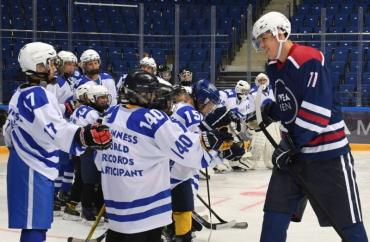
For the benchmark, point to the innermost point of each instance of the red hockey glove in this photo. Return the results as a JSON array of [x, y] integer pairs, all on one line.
[[96, 136]]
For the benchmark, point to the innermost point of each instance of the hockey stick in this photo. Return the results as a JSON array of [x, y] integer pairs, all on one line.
[[98, 239], [92, 230], [237, 225], [212, 226], [293, 171], [209, 200], [204, 174]]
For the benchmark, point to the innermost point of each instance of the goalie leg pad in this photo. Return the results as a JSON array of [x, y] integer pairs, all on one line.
[[275, 226], [183, 222]]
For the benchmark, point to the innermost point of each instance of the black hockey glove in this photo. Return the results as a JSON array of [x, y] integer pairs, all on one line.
[[265, 113], [220, 117], [235, 152], [214, 139], [283, 153], [95, 136]]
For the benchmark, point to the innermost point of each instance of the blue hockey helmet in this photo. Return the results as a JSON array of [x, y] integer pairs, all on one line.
[[204, 91]]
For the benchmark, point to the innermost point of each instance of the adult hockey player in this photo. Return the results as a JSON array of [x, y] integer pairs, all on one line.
[[90, 63], [34, 132], [313, 140], [138, 205], [261, 148]]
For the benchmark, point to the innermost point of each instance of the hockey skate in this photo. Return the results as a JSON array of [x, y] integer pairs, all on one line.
[[88, 216], [70, 212], [63, 197], [222, 168], [57, 211], [237, 166], [247, 161]]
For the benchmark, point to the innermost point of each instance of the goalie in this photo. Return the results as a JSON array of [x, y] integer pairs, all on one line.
[[261, 148]]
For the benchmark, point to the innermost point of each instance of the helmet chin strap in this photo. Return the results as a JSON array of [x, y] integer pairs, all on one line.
[[280, 48], [281, 43]]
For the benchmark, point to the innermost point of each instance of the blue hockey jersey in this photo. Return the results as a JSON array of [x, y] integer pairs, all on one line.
[[306, 105]]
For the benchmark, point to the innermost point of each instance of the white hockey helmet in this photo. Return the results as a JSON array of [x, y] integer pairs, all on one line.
[[67, 56], [81, 92], [148, 61], [242, 89], [35, 53], [274, 23], [260, 77], [89, 55], [96, 91]]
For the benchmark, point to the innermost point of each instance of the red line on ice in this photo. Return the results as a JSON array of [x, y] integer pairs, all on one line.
[[253, 193], [221, 201], [252, 205]]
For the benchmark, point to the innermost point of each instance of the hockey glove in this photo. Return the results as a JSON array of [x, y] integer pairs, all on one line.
[[283, 153], [95, 136], [214, 139], [70, 107], [235, 152], [265, 113], [220, 117]]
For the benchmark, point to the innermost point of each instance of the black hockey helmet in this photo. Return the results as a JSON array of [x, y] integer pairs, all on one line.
[[144, 89]]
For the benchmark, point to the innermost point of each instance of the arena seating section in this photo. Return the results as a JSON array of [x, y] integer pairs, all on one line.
[[119, 53], [341, 51]]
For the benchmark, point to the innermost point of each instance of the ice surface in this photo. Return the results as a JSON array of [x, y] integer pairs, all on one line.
[[238, 196]]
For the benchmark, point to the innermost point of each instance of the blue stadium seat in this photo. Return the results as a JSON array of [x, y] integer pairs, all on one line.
[[185, 55], [340, 54], [341, 19], [366, 78], [351, 78], [337, 66]]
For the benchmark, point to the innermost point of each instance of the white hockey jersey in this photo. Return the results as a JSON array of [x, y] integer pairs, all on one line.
[[61, 89], [187, 116], [135, 170], [120, 81], [237, 108], [85, 115], [104, 79], [36, 128]]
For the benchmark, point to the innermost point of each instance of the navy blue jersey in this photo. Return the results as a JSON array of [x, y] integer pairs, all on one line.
[[306, 105]]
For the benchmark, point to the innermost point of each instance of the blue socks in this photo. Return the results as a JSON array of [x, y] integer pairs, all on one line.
[[275, 226], [355, 233]]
